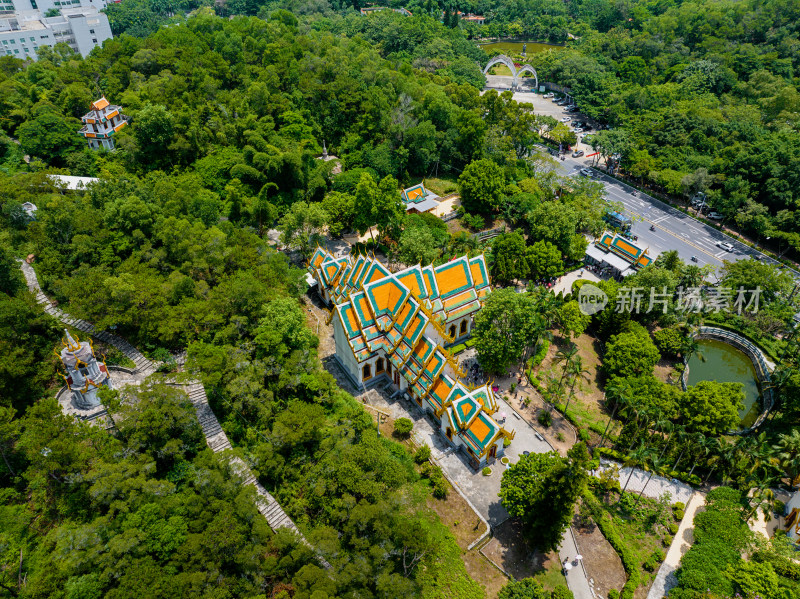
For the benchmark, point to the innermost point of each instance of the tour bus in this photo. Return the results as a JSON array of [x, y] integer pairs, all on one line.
[[618, 221]]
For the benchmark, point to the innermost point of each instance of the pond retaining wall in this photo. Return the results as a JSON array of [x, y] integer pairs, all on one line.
[[759, 362]]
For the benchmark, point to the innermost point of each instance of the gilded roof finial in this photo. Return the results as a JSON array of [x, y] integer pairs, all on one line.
[[71, 343]]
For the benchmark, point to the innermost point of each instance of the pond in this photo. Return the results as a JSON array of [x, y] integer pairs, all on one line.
[[726, 364], [516, 47]]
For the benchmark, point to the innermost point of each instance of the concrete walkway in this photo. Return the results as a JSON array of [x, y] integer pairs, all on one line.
[[684, 538], [655, 486], [215, 437], [481, 492]]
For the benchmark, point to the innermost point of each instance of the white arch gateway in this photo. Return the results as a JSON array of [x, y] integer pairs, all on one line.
[[505, 60]]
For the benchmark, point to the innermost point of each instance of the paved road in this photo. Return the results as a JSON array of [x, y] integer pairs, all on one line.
[[674, 230]]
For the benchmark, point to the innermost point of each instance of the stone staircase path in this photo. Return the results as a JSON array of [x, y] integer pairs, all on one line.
[[216, 438]]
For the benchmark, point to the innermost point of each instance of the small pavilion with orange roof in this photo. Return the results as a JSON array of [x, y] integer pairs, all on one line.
[[395, 327], [101, 123], [619, 253]]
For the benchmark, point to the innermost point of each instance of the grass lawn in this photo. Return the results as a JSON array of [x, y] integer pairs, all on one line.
[[443, 185], [587, 408], [501, 70]]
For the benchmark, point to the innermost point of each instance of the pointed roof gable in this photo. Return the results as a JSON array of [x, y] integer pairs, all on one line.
[[386, 296], [100, 104], [374, 272], [412, 278], [480, 274], [453, 277]]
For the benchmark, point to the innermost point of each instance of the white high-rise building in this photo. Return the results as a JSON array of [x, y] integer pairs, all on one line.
[[21, 33], [45, 5]]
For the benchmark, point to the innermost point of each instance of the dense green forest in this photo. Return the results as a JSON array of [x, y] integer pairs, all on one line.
[[228, 115], [702, 94]]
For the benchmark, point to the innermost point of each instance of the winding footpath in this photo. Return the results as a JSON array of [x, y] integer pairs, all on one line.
[[216, 438]]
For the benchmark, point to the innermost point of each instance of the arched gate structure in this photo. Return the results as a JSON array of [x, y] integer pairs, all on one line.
[[505, 60]]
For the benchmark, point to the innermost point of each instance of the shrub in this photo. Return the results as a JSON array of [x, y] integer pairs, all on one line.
[[673, 528], [456, 349], [678, 505], [403, 426], [613, 594], [561, 592], [538, 357], [652, 563], [583, 434], [436, 478], [423, 454], [679, 514], [667, 540], [545, 418], [487, 471], [506, 442], [668, 341], [474, 222]]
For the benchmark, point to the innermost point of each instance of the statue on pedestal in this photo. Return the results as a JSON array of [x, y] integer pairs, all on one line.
[[85, 374]]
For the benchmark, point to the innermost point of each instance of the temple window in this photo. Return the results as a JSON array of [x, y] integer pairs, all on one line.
[[463, 327], [366, 372], [379, 366], [453, 330], [449, 433]]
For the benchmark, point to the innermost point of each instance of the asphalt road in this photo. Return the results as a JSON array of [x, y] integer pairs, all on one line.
[[674, 230]]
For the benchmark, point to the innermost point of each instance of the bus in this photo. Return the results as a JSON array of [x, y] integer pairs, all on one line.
[[618, 221]]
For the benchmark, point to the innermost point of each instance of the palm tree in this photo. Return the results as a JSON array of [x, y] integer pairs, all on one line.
[[642, 418], [620, 394], [566, 355], [576, 371], [700, 441], [668, 426], [787, 454], [639, 455], [683, 438], [654, 466]]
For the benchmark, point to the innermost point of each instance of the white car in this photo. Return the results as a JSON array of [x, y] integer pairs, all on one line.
[[566, 119], [548, 95], [587, 172], [578, 130], [724, 245], [715, 216]]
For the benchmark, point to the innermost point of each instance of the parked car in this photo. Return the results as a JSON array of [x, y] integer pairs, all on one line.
[[587, 172], [577, 153], [715, 216], [548, 95], [698, 198], [572, 108], [566, 119], [577, 129], [728, 247]]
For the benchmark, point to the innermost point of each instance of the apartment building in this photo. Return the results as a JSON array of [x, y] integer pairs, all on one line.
[[23, 32]]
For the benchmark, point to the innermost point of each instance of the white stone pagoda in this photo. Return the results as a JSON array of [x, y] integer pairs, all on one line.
[[100, 124], [85, 374]]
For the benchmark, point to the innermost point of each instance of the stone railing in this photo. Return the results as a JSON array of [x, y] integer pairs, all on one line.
[[762, 367]]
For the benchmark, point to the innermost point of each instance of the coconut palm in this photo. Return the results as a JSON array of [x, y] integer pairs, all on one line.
[[655, 465], [641, 454], [566, 356], [701, 442], [786, 452], [683, 437], [666, 425], [576, 371]]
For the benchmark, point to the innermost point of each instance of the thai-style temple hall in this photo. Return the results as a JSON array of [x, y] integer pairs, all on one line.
[[395, 327]]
